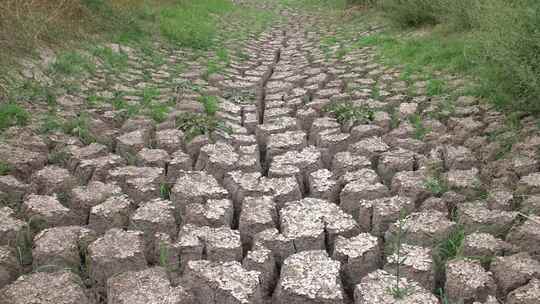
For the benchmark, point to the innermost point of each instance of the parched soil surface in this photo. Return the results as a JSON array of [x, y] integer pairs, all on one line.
[[292, 202]]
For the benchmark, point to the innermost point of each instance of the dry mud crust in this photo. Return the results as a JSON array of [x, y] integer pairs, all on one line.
[[296, 204]]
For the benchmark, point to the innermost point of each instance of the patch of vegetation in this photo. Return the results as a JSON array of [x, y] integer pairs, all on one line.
[[79, 127], [435, 87], [420, 130], [240, 97], [112, 60], [165, 191], [193, 24], [398, 291], [210, 103], [348, 112], [5, 168], [195, 124], [72, 63], [11, 114]]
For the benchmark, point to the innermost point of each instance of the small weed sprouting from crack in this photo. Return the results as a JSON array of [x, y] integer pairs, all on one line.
[[195, 124], [397, 291], [165, 191], [348, 112], [240, 97], [420, 130], [434, 181], [80, 127], [210, 103], [5, 168]]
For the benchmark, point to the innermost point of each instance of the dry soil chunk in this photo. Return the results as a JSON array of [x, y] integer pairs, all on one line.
[[9, 266], [356, 191], [476, 217], [258, 214], [214, 213], [344, 162], [467, 281], [425, 228], [416, 265], [116, 252], [323, 185], [376, 288], [511, 272], [83, 198], [46, 288], [394, 161], [528, 294], [149, 286], [152, 158], [526, 237], [46, 211], [152, 217], [196, 187], [60, 248], [52, 179], [358, 256], [310, 277], [529, 184], [307, 222], [262, 260], [217, 159], [113, 213], [10, 227], [223, 282], [480, 244]]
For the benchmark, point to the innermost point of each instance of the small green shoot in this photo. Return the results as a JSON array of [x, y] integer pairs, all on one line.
[[348, 112]]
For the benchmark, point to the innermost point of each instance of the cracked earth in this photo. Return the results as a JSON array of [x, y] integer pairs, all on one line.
[[287, 204]]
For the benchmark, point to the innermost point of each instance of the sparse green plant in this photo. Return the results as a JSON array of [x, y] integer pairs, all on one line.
[[194, 124], [435, 87], [240, 96], [72, 63], [112, 60], [79, 127], [12, 114], [165, 191], [149, 94], [5, 168], [420, 130], [349, 112], [398, 291], [210, 103], [58, 157], [131, 158]]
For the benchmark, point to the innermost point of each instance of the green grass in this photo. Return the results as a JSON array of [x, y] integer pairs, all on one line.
[[112, 60], [193, 24], [79, 127], [195, 124], [5, 168], [348, 112], [210, 103], [420, 130], [11, 115], [72, 63]]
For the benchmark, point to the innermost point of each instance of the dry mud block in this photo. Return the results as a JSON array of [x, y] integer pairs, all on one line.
[[10, 227], [222, 282], [196, 187], [9, 265], [377, 287], [415, 264], [217, 244], [313, 224], [62, 287], [116, 252], [467, 281], [149, 286], [511, 272], [358, 255], [310, 277], [61, 247]]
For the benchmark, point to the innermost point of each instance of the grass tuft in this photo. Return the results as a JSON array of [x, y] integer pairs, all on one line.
[[11, 114]]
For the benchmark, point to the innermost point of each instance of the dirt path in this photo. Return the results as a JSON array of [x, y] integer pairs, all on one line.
[[293, 198]]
